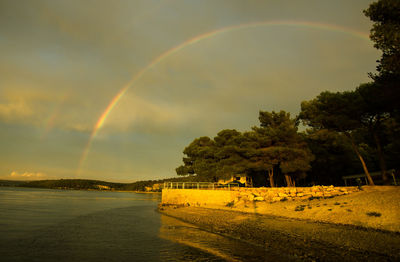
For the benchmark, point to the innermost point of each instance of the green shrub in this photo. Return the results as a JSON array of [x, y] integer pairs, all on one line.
[[374, 214], [230, 204], [313, 197]]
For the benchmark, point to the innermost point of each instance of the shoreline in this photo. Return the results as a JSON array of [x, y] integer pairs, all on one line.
[[80, 189]]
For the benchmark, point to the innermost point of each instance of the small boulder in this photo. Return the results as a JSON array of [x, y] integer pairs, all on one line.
[[259, 198], [275, 199]]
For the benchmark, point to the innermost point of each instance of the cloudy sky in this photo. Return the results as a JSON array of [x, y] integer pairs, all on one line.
[[190, 68]]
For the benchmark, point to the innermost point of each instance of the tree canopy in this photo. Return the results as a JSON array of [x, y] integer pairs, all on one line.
[[385, 33], [274, 145]]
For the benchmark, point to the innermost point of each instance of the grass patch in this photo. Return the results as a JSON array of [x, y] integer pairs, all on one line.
[[336, 203], [374, 214], [330, 209], [313, 197], [349, 210], [300, 208]]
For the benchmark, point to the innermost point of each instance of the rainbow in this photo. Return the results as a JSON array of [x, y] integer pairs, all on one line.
[[321, 26]]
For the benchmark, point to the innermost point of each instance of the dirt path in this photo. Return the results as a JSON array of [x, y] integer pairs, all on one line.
[[299, 239]]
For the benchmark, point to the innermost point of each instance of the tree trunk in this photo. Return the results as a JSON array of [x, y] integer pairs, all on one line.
[[370, 181], [288, 180], [381, 156], [271, 177]]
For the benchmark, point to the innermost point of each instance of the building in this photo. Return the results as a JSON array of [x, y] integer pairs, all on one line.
[[238, 178]]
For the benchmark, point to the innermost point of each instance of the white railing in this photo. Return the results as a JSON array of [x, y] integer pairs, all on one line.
[[199, 185]]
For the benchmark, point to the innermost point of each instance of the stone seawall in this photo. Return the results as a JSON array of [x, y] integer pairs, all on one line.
[[196, 197]]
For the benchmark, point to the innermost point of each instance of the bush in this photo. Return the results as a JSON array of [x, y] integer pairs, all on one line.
[[300, 208], [230, 204], [374, 214]]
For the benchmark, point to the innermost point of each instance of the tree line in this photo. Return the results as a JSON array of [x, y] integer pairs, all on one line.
[[346, 132]]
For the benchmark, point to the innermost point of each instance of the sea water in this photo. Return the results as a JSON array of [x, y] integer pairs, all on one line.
[[75, 225]]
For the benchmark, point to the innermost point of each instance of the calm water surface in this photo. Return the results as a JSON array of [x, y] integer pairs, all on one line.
[[67, 225]]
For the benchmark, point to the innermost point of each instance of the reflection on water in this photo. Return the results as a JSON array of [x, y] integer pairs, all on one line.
[[57, 225], [221, 247], [23, 210]]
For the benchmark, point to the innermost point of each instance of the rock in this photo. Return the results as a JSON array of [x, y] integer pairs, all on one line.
[[318, 194], [259, 198], [282, 195], [275, 199]]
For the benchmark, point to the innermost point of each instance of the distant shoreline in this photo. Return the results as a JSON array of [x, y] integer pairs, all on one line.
[[82, 189], [87, 184]]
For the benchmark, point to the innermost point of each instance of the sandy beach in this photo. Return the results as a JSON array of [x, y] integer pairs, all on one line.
[[370, 231]]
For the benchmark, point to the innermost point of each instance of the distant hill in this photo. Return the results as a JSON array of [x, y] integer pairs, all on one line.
[[87, 184], [74, 184], [11, 183]]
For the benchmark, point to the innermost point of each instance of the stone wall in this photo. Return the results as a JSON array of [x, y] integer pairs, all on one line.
[[224, 197], [197, 197]]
